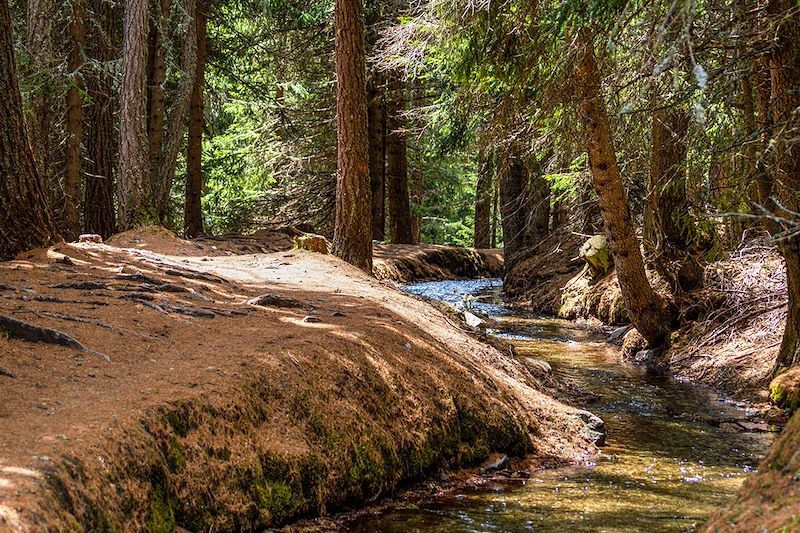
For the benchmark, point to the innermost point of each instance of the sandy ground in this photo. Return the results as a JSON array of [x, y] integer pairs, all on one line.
[[340, 361]]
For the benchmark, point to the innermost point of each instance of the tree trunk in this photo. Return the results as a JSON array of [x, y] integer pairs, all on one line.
[[192, 211], [417, 173], [25, 220], [176, 118], [377, 156], [74, 124], [40, 47], [495, 208], [397, 164], [644, 307], [98, 210], [483, 199], [156, 93], [133, 184], [784, 62], [352, 238], [524, 207]]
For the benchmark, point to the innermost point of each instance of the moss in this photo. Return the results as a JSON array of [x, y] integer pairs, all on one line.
[[785, 397], [276, 502], [178, 418], [175, 456], [162, 511]]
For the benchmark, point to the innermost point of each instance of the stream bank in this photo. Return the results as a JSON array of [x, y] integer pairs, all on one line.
[[241, 390]]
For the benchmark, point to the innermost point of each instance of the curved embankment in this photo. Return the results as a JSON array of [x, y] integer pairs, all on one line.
[[328, 391], [404, 262]]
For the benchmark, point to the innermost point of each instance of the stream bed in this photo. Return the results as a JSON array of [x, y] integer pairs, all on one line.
[[674, 451]]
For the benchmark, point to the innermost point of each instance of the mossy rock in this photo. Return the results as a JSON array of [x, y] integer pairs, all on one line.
[[311, 242], [784, 391], [597, 255]]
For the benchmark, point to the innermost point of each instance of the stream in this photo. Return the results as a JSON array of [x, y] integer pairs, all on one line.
[[674, 451]]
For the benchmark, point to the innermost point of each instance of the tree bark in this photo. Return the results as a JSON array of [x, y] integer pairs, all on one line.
[[74, 124], [25, 220], [397, 164], [644, 307], [483, 199], [156, 93], [133, 184], [40, 46], [192, 211], [377, 155], [417, 172], [352, 238], [784, 62], [98, 211]]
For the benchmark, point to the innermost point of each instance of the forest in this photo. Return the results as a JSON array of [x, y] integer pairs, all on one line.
[[657, 143]]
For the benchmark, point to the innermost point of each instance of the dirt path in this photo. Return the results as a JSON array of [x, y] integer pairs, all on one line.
[[331, 389]]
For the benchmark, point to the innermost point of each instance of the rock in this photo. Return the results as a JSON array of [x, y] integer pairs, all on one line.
[[273, 300], [472, 320], [618, 335], [311, 319], [597, 255], [496, 461], [652, 360], [90, 237], [632, 342], [536, 366], [594, 427], [311, 242]]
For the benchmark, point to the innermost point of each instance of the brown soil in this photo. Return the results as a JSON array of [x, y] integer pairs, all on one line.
[[214, 413]]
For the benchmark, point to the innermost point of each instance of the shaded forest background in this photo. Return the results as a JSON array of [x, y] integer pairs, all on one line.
[[673, 123]]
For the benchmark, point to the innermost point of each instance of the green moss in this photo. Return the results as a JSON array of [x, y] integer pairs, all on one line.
[[276, 502], [175, 455], [178, 418], [162, 511], [783, 397]]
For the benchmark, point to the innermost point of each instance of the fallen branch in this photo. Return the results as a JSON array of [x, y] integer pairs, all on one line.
[[23, 330]]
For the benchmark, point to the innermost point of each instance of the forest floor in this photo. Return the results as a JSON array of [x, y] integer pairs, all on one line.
[[234, 384]]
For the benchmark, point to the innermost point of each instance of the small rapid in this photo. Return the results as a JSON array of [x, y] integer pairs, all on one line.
[[674, 451]]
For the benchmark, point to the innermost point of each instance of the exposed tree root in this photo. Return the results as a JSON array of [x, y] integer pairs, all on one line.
[[19, 329]]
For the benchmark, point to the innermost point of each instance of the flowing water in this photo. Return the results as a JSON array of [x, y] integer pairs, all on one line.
[[674, 451]]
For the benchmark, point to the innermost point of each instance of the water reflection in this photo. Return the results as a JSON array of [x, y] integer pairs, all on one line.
[[673, 454]]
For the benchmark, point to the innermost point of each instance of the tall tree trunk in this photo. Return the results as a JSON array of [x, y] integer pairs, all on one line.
[[397, 164], [133, 184], [352, 237], [645, 308], [495, 209], [192, 211], [483, 199], [74, 124], [417, 172], [156, 92], [377, 155], [98, 210], [40, 46], [784, 62], [25, 220], [176, 119], [513, 208]]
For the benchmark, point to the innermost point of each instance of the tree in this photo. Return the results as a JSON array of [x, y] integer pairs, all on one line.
[[645, 308], [398, 199], [377, 155], [74, 123], [483, 199], [98, 206], [784, 63], [352, 238], [133, 191], [192, 211], [25, 219]]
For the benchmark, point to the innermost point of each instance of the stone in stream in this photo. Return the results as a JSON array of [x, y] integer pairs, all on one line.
[[472, 320], [594, 427], [496, 461]]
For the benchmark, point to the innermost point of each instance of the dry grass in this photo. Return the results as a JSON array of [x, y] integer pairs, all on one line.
[[739, 318]]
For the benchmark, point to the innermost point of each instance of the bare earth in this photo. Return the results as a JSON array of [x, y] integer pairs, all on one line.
[[212, 412]]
